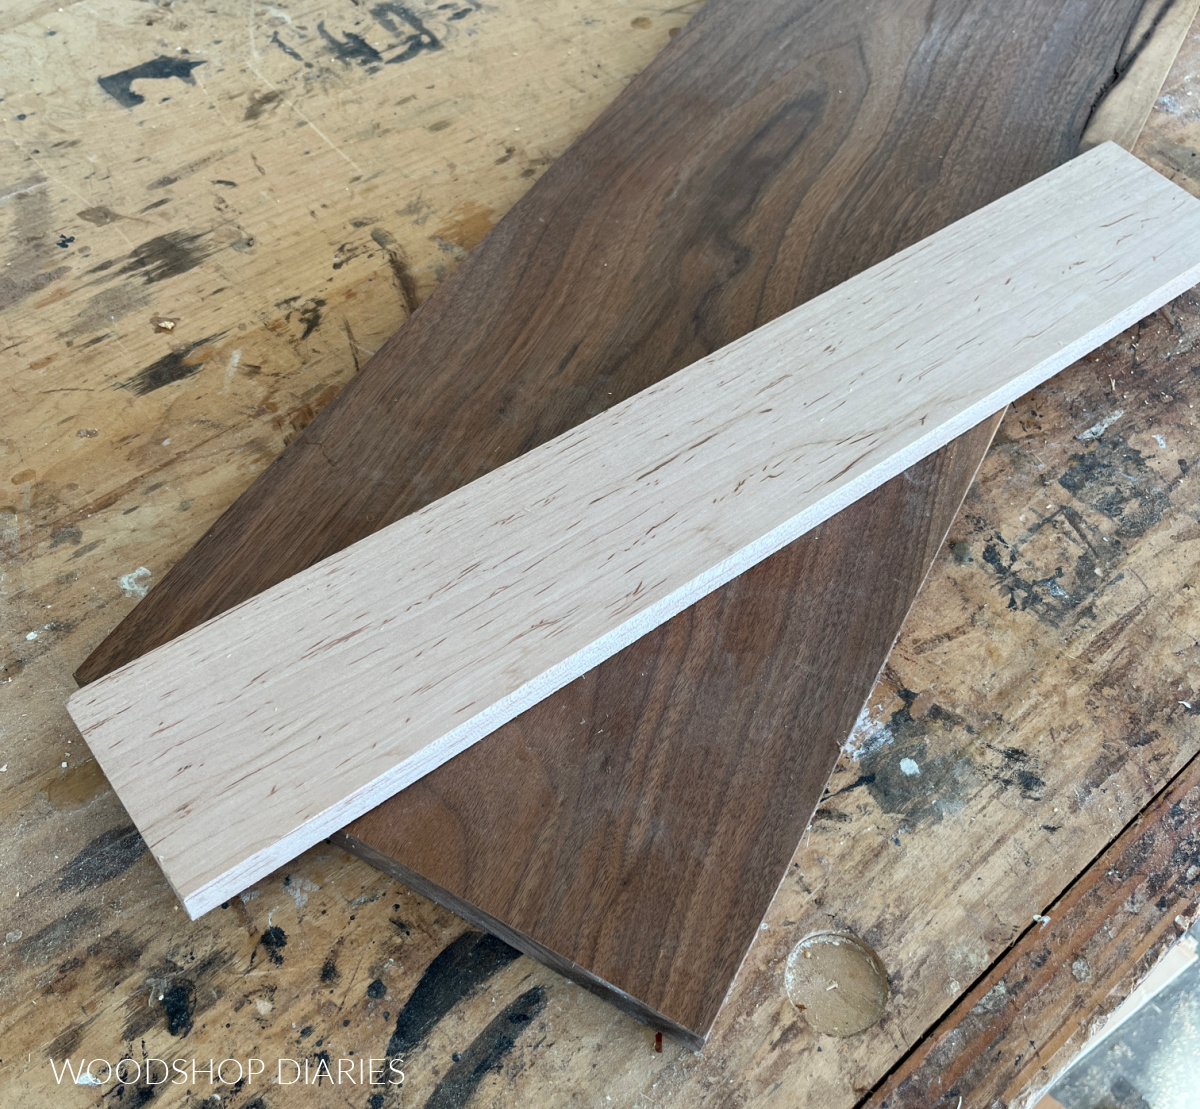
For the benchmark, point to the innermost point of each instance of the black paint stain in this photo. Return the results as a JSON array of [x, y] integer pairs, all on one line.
[[329, 970], [274, 940], [420, 39], [1115, 479], [170, 368], [104, 858], [164, 256], [259, 104], [376, 989], [399, 266], [355, 48], [65, 241], [65, 1042], [120, 85], [1019, 770], [832, 815], [1061, 592], [174, 999], [59, 935], [487, 1051], [137, 1095], [289, 51], [179, 1005], [458, 970], [310, 316], [944, 778], [59, 536], [100, 215]]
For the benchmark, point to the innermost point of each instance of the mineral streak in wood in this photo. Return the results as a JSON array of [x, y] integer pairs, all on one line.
[[406, 648]]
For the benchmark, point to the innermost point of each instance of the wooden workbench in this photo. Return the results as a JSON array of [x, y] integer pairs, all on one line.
[[212, 216]]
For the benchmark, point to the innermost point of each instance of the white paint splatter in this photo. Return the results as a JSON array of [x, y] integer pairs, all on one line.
[[133, 583], [87, 1079], [1161, 442], [1098, 429], [31, 635], [910, 768], [300, 890], [866, 735], [1169, 104], [231, 367]]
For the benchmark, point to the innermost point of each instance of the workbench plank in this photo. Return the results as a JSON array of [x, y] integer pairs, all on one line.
[[303, 707], [1069, 970], [103, 951]]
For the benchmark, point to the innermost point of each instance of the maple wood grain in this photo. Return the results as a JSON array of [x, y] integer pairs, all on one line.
[[761, 159]]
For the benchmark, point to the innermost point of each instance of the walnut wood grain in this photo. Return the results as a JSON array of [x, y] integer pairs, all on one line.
[[761, 159]]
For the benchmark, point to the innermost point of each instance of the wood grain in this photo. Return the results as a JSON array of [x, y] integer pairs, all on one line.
[[1150, 49], [599, 845], [849, 134], [1020, 1025], [102, 943], [302, 708]]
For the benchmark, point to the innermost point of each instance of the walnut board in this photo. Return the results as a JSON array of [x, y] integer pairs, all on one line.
[[106, 961], [601, 840], [392, 656]]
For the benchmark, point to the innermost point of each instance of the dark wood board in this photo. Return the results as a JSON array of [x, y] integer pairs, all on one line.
[[631, 830], [770, 152], [1023, 1022]]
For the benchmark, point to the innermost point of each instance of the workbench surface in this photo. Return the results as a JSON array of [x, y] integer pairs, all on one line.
[[212, 217]]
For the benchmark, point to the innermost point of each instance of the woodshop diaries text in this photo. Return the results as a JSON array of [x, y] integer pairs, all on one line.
[[127, 1071]]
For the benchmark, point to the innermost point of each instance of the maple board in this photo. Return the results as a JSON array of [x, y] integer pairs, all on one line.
[[385, 660]]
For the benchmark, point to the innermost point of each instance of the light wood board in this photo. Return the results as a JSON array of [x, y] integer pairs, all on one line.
[[417, 641]]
